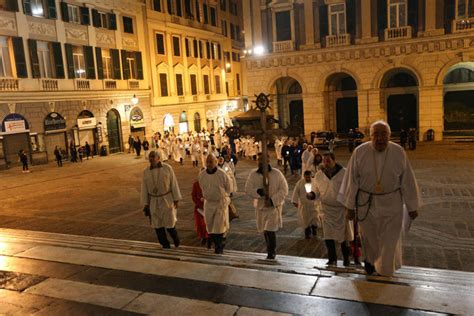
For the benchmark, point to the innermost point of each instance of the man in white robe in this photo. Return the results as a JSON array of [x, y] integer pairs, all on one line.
[[268, 212], [306, 158], [307, 208], [160, 195], [378, 183], [337, 229], [216, 187], [195, 152]]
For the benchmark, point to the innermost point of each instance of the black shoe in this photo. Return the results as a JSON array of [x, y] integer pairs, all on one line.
[[369, 268], [346, 262], [166, 247], [271, 256], [203, 241], [314, 230], [331, 263]]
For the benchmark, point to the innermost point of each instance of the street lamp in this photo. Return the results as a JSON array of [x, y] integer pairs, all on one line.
[[134, 100]]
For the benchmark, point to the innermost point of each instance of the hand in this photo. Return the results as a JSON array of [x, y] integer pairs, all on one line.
[[146, 211], [175, 204], [350, 214], [260, 192], [413, 214], [295, 204]]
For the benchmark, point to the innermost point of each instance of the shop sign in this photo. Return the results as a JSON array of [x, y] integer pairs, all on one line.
[[84, 123], [54, 121], [14, 123], [136, 118]]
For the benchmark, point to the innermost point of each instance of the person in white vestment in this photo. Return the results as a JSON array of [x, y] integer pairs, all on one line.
[[228, 168], [195, 152], [216, 187], [380, 188], [337, 229], [306, 158], [307, 208], [160, 195], [268, 212]]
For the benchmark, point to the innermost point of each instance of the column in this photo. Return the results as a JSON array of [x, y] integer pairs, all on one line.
[[309, 22], [365, 22], [257, 23], [247, 9]]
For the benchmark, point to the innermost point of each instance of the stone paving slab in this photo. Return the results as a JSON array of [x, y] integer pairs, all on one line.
[[100, 197]]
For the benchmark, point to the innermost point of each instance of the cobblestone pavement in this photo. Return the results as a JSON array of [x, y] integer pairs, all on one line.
[[100, 197]]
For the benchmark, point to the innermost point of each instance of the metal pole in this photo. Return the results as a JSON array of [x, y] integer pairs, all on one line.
[[263, 122]]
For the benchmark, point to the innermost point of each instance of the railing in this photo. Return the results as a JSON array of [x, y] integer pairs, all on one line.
[[83, 85], [195, 98], [175, 19], [463, 25], [49, 84], [132, 84], [208, 97], [338, 40], [8, 84], [393, 34], [181, 99], [286, 46], [110, 84]]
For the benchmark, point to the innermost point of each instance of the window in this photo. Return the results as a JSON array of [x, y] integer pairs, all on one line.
[[232, 31], [188, 50], [218, 84], [79, 63], [169, 4], [237, 80], [193, 80], [73, 14], [107, 64], [204, 12], [213, 17], [465, 9], [206, 84], [223, 4], [8, 5], [132, 65], [37, 8], [235, 57], [224, 28], [179, 10], [337, 19], [179, 84], [198, 12], [196, 50], [208, 50], [200, 50], [164, 85], [397, 13], [44, 59], [214, 50], [176, 47], [5, 63], [283, 26], [157, 5], [127, 24], [188, 12], [160, 44], [233, 7], [104, 20]]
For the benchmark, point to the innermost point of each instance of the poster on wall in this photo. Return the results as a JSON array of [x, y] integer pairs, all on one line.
[[54, 121], [14, 123], [85, 123], [136, 118]]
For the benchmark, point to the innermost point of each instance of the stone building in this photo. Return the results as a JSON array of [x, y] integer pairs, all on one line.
[[341, 64]]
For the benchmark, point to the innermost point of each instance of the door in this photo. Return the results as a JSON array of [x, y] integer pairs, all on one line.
[[402, 112], [296, 114], [13, 144], [113, 131], [53, 140], [347, 116]]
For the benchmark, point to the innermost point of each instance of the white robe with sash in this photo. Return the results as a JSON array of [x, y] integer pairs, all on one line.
[[307, 209], [381, 224]]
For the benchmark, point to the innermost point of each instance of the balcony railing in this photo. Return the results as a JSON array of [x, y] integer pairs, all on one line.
[[133, 84], [82, 84], [181, 99], [110, 84], [463, 25], [8, 84], [393, 34], [281, 47], [195, 98], [49, 84], [338, 40]]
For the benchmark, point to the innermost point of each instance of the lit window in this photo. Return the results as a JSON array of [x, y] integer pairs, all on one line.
[[79, 63], [37, 8], [337, 19], [104, 20], [107, 64], [73, 13], [5, 63], [44, 59], [132, 66], [397, 13], [465, 9]]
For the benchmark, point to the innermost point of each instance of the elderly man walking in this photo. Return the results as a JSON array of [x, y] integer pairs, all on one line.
[[268, 212], [379, 187], [216, 188], [160, 195]]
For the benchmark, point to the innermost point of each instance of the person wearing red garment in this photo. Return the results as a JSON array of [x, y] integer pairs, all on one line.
[[199, 222]]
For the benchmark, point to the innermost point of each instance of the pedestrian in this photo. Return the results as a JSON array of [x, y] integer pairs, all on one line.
[[379, 187], [306, 158], [412, 138], [216, 187], [350, 140], [24, 160], [268, 209], [195, 152], [146, 147], [58, 155], [87, 148], [131, 142], [81, 152], [336, 228], [307, 207], [73, 151], [160, 195], [199, 221], [137, 144], [403, 138]]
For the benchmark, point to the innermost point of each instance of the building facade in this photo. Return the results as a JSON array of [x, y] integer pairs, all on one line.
[[341, 64], [195, 48]]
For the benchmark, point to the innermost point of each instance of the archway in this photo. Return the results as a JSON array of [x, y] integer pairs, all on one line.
[[287, 93], [399, 88], [458, 96], [183, 123], [342, 112], [114, 132], [197, 122], [168, 123]]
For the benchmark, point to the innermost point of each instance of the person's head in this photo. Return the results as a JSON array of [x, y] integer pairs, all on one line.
[[380, 135], [305, 146], [307, 176], [317, 159], [220, 161], [260, 160], [329, 160], [211, 161], [154, 158], [314, 151]]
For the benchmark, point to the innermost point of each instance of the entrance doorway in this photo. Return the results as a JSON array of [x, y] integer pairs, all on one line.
[[347, 116], [401, 112], [296, 114], [114, 132]]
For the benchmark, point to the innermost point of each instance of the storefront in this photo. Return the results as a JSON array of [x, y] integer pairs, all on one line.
[[137, 123], [86, 131], [15, 136], [55, 135]]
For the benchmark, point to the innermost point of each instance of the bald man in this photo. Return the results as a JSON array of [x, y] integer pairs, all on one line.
[[216, 188]]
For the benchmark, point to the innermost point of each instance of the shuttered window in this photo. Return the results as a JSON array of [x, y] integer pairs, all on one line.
[[206, 84], [179, 84], [160, 44], [164, 85], [193, 80]]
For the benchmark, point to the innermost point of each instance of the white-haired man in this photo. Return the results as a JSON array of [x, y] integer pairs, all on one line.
[[378, 185], [160, 195]]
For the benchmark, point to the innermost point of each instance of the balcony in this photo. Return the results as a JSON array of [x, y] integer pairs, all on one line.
[[463, 25], [8, 84], [338, 40], [281, 47], [181, 99], [82, 84], [195, 98], [49, 84], [397, 33], [110, 84], [133, 84]]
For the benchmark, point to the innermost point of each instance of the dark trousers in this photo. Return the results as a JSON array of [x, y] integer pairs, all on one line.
[[59, 161], [310, 230], [25, 165], [270, 239], [332, 254], [163, 240], [218, 240]]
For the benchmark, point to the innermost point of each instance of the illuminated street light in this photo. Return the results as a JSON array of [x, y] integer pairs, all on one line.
[[259, 50], [134, 100]]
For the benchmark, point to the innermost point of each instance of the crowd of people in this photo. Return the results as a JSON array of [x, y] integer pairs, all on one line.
[[363, 209]]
